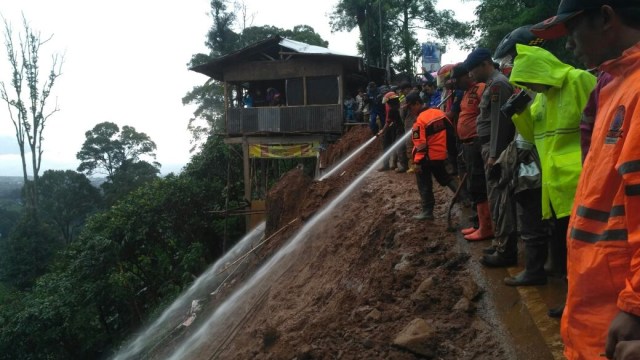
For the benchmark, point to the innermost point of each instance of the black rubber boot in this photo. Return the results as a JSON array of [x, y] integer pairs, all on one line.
[[504, 256], [556, 312], [533, 274], [498, 259], [489, 250]]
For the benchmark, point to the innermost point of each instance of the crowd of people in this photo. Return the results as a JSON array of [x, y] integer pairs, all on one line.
[[549, 156]]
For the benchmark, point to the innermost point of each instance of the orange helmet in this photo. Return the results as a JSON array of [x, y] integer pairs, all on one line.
[[444, 74]]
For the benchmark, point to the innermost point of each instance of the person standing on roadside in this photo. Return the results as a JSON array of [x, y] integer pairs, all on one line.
[[552, 122], [495, 132], [471, 148], [603, 302]]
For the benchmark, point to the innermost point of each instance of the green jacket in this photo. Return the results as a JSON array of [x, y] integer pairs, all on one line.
[[552, 122]]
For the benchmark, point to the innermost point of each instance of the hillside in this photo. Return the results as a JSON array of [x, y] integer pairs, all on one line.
[[366, 281]]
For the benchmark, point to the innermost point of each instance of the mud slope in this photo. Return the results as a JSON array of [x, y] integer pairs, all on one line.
[[361, 277]]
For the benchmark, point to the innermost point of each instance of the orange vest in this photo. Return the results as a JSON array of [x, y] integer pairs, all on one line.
[[603, 240], [469, 111], [429, 136]]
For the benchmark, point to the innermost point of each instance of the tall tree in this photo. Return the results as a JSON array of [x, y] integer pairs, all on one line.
[[107, 148], [388, 30], [27, 101]]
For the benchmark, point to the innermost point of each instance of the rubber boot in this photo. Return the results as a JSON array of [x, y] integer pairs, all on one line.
[[556, 264], [468, 230], [485, 230], [507, 257], [533, 273], [489, 249], [426, 214], [474, 222]]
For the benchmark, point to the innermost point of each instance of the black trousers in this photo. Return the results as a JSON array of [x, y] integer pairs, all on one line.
[[428, 168], [476, 180], [533, 229]]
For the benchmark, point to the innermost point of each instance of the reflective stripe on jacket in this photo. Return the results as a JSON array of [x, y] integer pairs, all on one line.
[[603, 241], [429, 136], [552, 122]]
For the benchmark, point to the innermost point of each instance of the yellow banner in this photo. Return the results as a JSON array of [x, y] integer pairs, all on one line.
[[277, 151]]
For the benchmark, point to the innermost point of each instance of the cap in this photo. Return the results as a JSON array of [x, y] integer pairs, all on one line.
[[476, 57], [458, 71], [554, 27], [388, 96], [521, 35]]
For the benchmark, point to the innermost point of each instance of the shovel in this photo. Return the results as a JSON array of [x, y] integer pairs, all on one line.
[[450, 227]]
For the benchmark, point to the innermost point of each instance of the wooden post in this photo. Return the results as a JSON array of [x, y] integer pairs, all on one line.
[[247, 178], [304, 89], [226, 106]]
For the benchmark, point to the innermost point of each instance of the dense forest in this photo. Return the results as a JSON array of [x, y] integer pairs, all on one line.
[[83, 266]]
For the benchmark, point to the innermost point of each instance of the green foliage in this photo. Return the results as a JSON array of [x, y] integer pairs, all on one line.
[[27, 251], [9, 216], [129, 176], [66, 199], [388, 29], [54, 321], [107, 148]]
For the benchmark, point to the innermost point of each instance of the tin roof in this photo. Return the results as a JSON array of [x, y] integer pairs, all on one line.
[[271, 48]]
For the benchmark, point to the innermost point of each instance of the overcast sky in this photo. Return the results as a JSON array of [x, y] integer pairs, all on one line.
[[125, 62]]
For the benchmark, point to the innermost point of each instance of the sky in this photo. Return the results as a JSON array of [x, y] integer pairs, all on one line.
[[125, 61]]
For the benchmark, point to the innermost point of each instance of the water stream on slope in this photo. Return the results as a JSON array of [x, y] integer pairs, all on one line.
[[347, 159], [222, 325], [173, 316]]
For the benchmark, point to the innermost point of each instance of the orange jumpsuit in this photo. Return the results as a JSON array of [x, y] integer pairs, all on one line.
[[429, 136], [603, 240]]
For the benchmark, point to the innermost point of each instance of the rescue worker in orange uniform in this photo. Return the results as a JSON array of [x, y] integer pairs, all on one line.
[[471, 147], [429, 135], [603, 302]]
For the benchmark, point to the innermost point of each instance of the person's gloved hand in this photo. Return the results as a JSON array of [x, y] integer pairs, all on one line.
[[624, 327], [627, 350]]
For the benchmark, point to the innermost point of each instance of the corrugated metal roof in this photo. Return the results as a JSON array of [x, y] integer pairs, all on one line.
[[301, 47], [214, 68]]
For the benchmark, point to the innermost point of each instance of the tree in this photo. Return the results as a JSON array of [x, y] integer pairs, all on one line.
[[67, 198], [107, 148], [128, 177], [389, 29], [29, 112]]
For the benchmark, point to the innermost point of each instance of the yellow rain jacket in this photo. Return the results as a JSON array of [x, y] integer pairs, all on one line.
[[552, 122]]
